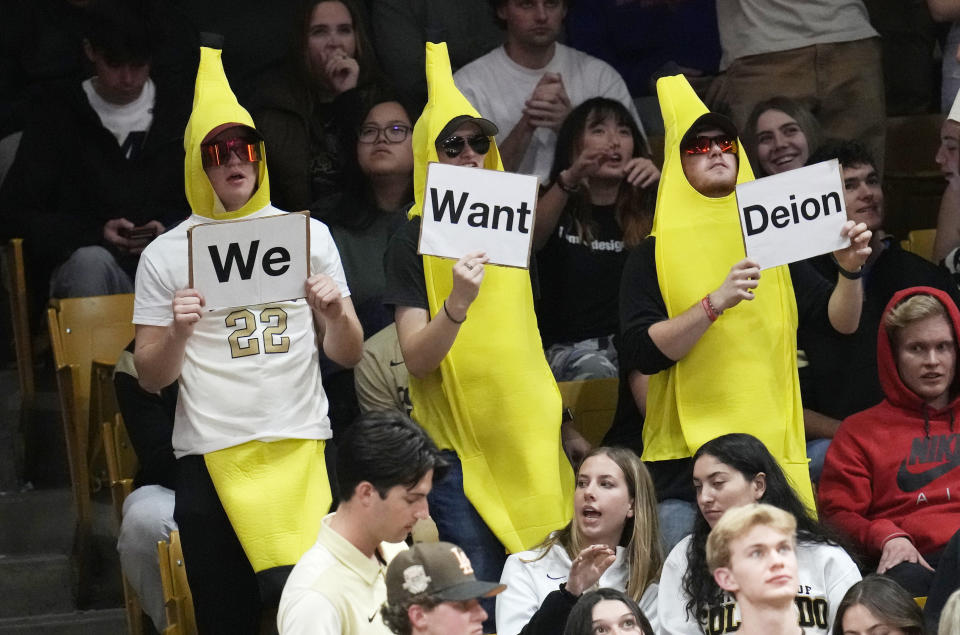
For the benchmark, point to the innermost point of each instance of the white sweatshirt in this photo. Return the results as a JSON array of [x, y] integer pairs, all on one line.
[[529, 581], [825, 573]]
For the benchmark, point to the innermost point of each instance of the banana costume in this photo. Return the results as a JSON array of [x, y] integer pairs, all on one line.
[[493, 399], [276, 493], [741, 376]]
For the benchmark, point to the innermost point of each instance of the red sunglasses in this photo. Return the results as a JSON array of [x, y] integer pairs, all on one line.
[[218, 152], [701, 144]]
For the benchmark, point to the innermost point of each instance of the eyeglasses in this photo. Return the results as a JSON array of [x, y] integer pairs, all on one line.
[[393, 134], [453, 146], [702, 144], [218, 152]]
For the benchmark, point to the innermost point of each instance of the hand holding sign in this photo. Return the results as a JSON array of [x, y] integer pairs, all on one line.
[[323, 296], [739, 285], [855, 256], [467, 276], [187, 309]]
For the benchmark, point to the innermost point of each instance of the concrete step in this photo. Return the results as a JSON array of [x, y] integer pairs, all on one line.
[[35, 585], [35, 522], [103, 622]]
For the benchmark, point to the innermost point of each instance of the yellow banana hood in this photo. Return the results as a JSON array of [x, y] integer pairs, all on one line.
[[493, 399], [741, 376], [215, 105]]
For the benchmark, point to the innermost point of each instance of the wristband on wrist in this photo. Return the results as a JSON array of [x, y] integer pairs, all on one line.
[[450, 317], [849, 275], [709, 309], [569, 189]]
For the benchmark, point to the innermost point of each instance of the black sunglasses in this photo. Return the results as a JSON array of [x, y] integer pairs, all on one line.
[[453, 146]]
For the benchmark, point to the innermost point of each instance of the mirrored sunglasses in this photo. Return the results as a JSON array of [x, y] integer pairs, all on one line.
[[701, 144], [453, 146], [218, 152]]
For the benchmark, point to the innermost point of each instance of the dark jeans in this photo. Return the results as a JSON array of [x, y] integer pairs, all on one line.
[[226, 595], [458, 522], [945, 581]]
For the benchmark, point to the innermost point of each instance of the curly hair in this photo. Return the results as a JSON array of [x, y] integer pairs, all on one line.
[[397, 616]]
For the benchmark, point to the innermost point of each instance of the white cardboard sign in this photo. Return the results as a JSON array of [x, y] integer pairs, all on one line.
[[250, 261], [794, 215], [468, 209]]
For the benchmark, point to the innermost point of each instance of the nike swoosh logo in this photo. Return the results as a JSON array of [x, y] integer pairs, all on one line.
[[911, 482], [559, 577], [372, 617], [393, 363]]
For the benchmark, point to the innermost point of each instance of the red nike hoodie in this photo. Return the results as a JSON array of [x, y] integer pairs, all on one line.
[[894, 469]]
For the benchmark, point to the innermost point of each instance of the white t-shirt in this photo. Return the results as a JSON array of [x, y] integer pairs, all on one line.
[[530, 581], [249, 373], [752, 27], [129, 123], [825, 573], [498, 87]]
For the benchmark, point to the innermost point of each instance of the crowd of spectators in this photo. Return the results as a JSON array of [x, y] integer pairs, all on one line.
[[425, 386]]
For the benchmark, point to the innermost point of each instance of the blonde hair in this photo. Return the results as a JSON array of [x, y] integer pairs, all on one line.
[[738, 521], [950, 616], [641, 534], [915, 308]]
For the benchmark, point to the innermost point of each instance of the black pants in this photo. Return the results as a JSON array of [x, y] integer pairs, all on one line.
[[226, 595], [945, 581]]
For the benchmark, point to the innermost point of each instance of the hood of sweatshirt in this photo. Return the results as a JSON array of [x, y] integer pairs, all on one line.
[[897, 392]]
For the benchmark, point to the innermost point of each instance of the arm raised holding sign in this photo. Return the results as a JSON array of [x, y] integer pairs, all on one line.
[[159, 350], [336, 320], [425, 342]]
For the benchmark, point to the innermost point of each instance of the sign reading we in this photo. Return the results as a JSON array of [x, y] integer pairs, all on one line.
[[794, 215], [250, 261], [469, 209]]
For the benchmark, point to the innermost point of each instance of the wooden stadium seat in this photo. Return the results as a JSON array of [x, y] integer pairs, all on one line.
[[920, 242], [121, 468], [15, 282], [176, 591], [593, 403], [84, 330]]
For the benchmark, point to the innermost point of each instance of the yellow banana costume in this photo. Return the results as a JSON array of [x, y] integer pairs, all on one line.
[[741, 376], [493, 399], [275, 494]]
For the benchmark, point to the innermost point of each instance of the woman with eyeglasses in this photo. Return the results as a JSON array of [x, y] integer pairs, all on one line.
[[362, 219], [599, 204], [309, 113]]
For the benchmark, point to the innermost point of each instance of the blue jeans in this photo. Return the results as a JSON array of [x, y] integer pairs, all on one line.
[[458, 522], [676, 521], [817, 452]]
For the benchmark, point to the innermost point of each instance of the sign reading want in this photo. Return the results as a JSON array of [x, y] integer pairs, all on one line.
[[469, 209], [794, 215], [250, 261]]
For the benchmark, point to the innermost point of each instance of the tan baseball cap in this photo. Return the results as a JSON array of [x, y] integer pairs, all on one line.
[[440, 569]]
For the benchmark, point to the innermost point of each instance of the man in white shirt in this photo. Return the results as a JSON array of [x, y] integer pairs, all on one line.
[[530, 84], [385, 466]]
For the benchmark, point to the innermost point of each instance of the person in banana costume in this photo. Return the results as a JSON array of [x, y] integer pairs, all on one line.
[[717, 338], [251, 420], [479, 383]]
